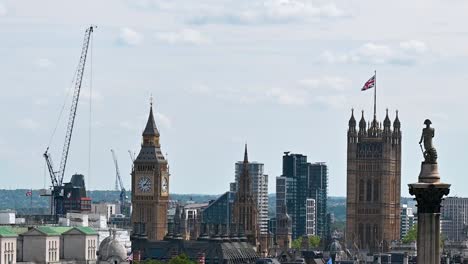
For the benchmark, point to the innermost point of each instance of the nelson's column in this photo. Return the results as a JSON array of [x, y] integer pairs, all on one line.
[[373, 184], [150, 187], [429, 192]]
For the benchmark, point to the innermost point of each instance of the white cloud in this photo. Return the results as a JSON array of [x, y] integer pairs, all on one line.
[[163, 119], [406, 53], [130, 37], [334, 101], [326, 83], [414, 46], [86, 95], [27, 123], [269, 11], [291, 96], [3, 10], [127, 125], [184, 36], [297, 9], [44, 63]]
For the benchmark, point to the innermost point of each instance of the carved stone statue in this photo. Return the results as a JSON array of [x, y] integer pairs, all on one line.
[[429, 152]]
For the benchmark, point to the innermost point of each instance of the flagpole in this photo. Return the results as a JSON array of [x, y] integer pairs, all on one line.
[[375, 95]]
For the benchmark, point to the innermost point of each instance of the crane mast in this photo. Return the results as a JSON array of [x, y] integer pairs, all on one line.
[[124, 206], [57, 176]]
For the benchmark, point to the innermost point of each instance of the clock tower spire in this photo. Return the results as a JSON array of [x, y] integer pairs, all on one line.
[[150, 186]]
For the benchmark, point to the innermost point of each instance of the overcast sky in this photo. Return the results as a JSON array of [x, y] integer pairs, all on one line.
[[281, 75]]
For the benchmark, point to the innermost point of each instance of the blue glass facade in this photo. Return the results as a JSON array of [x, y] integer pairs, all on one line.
[[219, 211]]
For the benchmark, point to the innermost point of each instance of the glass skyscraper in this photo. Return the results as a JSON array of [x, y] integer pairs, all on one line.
[[300, 182]]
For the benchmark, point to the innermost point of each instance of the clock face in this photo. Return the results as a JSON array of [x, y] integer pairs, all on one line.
[[144, 184], [164, 186]]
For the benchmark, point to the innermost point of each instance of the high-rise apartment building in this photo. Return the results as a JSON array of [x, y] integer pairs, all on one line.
[[454, 214], [407, 220], [300, 183], [373, 184], [259, 190], [318, 183]]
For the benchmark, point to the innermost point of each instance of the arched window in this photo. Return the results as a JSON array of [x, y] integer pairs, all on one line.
[[361, 190], [368, 235], [369, 191], [376, 190], [361, 234]]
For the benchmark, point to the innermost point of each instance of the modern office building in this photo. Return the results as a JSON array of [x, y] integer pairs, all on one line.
[[454, 214], [373, 184], [219, 211], [318, 190], [300, 183], [259, 189], [407, 220]]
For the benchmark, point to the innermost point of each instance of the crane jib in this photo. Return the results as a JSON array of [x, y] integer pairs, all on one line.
[[57, 176]]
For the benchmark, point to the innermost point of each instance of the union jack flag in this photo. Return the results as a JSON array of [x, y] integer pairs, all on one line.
[[29, 193], [369, 84]]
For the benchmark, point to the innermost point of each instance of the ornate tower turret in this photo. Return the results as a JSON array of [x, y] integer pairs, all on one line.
[[362, 125], [352, 133]]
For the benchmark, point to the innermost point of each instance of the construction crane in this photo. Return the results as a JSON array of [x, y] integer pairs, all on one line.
[[119, 183], [56, 176], [132, 156]]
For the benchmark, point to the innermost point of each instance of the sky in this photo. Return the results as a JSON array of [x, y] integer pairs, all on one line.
[[281, 75]]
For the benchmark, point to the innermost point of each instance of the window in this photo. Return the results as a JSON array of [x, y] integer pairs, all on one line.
[[369, 191], [361, 190], [376, 190]]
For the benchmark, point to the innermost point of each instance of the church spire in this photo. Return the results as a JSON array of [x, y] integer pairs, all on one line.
[[246, 157], [151, 129]]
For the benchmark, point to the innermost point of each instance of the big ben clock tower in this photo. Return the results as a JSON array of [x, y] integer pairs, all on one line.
[[150, 186]]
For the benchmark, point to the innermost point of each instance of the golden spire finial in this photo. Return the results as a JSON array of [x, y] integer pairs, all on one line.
[[151, 99]]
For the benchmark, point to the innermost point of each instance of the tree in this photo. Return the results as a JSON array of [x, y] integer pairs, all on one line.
[[314, 241], [181, 259], [412, 235], [297, 243]]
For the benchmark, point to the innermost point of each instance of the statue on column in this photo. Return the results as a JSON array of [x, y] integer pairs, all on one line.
[[429, 152]]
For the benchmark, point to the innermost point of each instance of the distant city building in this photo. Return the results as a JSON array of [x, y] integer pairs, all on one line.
[[300, 182], [454, 214], [318, 190], [7, 217], [259, 189], [54, 244], [192, 219], [407, 220], [294, 180], [8, 244], [150, 187], [219, 211], [74, 199], [373, 184], [106, 209], [245, 211], [283, 229], [272, 226], [310, 217]]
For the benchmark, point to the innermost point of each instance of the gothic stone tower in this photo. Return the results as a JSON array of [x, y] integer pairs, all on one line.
[[150, 186], [373, 184], [244, 207]]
